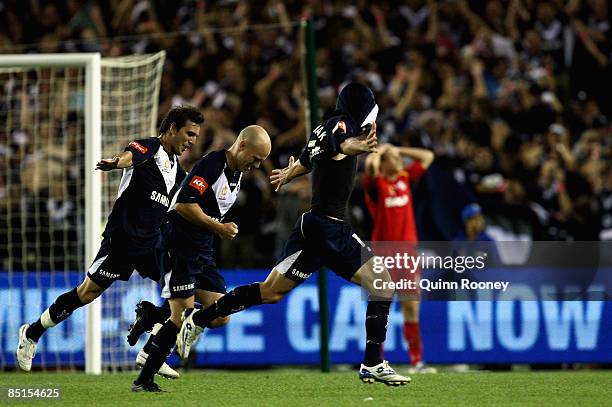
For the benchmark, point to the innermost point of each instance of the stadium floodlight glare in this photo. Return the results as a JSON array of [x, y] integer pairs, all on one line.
[[99, 104]]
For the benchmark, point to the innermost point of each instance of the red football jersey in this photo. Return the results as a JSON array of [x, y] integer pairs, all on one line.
[[390, 204]]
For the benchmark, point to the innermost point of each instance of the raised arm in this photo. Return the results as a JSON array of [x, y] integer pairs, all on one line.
[[134, 154], [372, 162], [423, 155]]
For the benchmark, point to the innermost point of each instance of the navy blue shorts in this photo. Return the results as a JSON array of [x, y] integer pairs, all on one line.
[[187, 273], [117, 259], [318, 241], [189, 267]]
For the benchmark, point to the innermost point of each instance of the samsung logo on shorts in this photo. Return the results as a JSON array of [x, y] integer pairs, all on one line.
[[183, 287], [300, 274], [107, 274]]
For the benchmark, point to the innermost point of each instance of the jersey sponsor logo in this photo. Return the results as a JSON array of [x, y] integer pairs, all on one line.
[[299, 274], [160, 198], [340, 125], [183, 287], [199, 184], [396, 201], [401, 185], [142, 149]]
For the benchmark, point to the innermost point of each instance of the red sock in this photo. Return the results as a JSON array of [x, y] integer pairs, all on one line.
[[412, 334]]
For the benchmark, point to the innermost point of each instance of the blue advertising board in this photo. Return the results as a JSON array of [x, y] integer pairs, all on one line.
[[288, 332]]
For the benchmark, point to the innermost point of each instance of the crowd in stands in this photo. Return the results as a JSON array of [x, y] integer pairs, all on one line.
[[510, 95]]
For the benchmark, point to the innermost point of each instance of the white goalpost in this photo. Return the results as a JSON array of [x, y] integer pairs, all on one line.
[[59, 114]]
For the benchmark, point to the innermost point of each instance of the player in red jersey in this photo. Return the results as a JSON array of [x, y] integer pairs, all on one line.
[[389, 200]]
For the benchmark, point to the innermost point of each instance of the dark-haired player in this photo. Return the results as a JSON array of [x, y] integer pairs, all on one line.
[[132, 237], [322, 236], [196, 215]]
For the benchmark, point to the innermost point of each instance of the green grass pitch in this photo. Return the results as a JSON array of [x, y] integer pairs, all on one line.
[[291, 388]]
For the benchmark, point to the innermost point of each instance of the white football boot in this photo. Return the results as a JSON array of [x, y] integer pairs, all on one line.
[[188, 335], [383, 373], [164, 371], [26, 350]]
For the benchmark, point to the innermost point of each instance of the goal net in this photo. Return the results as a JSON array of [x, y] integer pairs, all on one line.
[[46, 122]]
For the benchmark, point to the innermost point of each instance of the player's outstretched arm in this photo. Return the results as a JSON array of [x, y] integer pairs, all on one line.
[[194, 214], [359, 145], [283, 176], [123, 160]]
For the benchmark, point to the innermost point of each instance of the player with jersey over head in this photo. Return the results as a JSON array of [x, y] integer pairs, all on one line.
[[389, 199], [196, 215], [322, 236], [132, 237]]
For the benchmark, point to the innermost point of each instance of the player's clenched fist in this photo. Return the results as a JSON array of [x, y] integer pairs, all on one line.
[[228, 230]]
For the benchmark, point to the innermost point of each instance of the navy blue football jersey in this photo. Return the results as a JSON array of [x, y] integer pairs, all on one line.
[[145, 193], [214, 187], [332, 180]]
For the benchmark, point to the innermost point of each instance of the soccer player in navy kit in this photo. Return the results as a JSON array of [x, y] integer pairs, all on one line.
[[196, 215], [132, 237], [322, 236]]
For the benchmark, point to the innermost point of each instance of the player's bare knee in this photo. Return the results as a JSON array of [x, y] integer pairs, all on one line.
[[176, 319], [271, 297], [379, 288], [385, 293], [86, 297], [376, 284], [177, 307], [87, 293], [219, 322], [270, 294]]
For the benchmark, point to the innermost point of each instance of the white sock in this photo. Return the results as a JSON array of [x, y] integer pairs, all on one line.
[[45, 319]]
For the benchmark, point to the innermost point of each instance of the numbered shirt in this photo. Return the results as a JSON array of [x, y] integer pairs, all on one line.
[[214, 187], [145, 192]]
